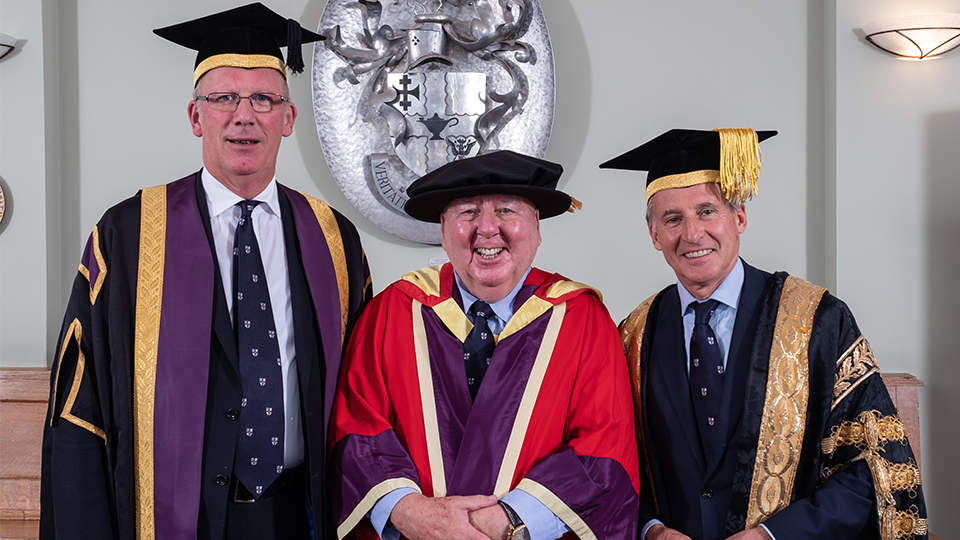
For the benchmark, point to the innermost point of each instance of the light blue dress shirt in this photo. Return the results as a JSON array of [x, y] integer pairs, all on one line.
[[541, 522]]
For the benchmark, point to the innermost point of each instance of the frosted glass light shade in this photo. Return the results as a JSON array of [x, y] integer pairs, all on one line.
[[6, 44], [920, 36]]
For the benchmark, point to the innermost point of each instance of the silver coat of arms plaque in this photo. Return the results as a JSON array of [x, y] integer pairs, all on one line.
[[404, 86]]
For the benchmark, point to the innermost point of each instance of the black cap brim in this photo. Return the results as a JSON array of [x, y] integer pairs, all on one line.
[[503, 172]]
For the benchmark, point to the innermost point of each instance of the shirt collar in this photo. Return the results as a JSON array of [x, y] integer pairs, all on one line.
[[503, 308], [220, 199], [728, 293]]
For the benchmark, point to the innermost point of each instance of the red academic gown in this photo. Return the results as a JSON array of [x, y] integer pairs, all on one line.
[[553, 414]]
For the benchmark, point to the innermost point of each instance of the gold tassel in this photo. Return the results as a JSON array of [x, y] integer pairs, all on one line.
[[574, 205], [739, 163]]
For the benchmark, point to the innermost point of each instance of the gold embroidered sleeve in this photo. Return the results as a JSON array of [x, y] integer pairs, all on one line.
[[853, 367]]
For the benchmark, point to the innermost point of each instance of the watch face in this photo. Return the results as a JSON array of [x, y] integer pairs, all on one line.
[[3, 204]]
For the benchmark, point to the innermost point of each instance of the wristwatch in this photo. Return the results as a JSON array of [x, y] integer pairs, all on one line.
[[518, 531]]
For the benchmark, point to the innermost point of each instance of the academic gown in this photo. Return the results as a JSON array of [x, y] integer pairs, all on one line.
[[141, 426], [799, 478], [552, 416]]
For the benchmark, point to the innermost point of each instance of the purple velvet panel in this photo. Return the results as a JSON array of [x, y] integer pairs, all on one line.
[[474, 437], [597, 489], [361, 462], [452, 396], [324, 290], [89, 260], [183, 365]]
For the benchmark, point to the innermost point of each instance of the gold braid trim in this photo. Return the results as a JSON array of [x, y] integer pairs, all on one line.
[[74, 333], [898, 524], [853, 367], [631, 336], [102, 275], [682, 180], [870, 433], [153, 227], [247, 61], [785, 405], [331, 231]]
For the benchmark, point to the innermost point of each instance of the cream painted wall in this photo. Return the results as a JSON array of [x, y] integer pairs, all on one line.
[[897, 185], [851, 120], [29, 272]]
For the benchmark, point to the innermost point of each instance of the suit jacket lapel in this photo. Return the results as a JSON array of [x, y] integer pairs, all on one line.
[[671, 374]]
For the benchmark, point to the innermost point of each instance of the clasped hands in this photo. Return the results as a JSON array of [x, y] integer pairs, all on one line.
[[477, 517], [661, 532]]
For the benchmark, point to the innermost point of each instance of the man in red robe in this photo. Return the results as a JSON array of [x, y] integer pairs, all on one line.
[[485, 398]]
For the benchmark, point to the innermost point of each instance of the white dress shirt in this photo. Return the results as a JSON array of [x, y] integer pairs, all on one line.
[[268, 228]]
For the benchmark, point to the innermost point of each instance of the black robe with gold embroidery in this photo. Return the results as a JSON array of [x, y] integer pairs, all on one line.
[[814, 447], [139, 437]]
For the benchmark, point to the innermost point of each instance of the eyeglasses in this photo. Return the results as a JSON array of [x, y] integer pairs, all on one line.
[[229, 101]]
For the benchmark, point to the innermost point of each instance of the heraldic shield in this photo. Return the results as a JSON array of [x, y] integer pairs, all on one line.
[[402, 88]]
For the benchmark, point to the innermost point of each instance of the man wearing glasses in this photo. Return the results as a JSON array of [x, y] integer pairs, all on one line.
[[191, 389]]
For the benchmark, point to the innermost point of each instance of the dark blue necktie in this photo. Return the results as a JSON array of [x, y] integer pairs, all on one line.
[[478, 347], [706, 374], [259, 459]]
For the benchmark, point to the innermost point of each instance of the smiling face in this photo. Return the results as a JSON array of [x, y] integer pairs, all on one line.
[[240, 147], [699, 235], [491, 241]]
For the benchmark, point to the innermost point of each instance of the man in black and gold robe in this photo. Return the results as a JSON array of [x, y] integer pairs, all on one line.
[[149, 387], [801, 439]]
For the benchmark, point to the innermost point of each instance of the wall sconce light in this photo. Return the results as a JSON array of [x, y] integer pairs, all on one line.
[[7, 44], [917, 37]]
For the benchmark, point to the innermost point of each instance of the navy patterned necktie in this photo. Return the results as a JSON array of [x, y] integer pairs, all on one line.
[[706, 374], [478, 347], [259, 459]]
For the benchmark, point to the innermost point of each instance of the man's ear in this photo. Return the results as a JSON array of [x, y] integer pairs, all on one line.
[[193, 113], [741, 216], [289, 117], [655, 237]]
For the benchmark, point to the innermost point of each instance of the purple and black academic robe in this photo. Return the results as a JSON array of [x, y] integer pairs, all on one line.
[[553, 415], [138, 441], [813, 445]]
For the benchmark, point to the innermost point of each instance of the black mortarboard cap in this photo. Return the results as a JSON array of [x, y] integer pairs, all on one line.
[[686, 157], [500, 172], [247, 37]]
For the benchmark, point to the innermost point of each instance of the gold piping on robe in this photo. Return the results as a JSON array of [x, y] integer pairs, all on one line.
[[153, 226], [74, 333], [101, 265], [631, 336], [785, 405], [370, 499], [331, 231], [428, 403], [559, 508]]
